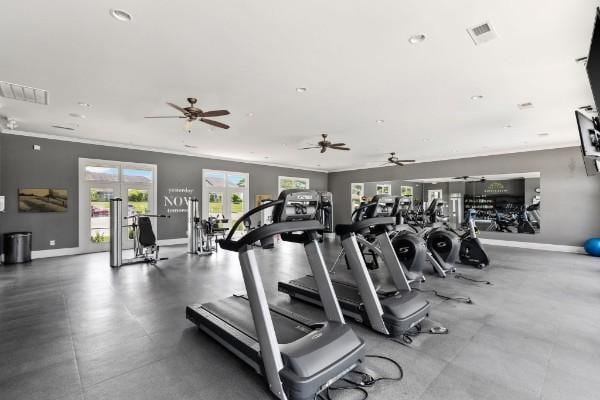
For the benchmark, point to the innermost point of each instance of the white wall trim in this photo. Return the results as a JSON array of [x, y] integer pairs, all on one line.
[[66, 251], [69, 251], [535, 246], [151, 149], [72, 251]]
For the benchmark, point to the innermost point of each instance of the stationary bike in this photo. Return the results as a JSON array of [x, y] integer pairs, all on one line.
[[471, 249]]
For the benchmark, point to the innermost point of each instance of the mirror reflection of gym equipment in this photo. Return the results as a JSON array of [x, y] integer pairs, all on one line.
[[509, 203]]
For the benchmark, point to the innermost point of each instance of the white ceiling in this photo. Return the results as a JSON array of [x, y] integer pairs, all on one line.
[[354, 58]]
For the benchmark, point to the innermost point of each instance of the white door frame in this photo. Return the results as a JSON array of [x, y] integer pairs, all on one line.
[[85, 245]]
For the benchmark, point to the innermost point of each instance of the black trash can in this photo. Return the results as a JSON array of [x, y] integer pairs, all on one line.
[[17, 247]]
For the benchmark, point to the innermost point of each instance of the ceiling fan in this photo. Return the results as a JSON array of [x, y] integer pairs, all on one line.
[[192, 113], [467, 177], [392, 159], [326, 144]]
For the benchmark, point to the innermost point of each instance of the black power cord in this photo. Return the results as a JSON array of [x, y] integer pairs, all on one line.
[[468, 278], [466, 300], [366, 380], [407, 337]]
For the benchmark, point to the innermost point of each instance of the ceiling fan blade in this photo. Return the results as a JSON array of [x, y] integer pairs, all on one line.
[[175, 106], [398, 163], [340, 148], [214, 123], [216, 113], [404, 161], [323, 149], [181, 116], [307, 148], [336, 144]]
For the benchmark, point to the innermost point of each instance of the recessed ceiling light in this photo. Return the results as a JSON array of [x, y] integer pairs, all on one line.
[[416, 39], [120, 15], [75, 115], [477, 97], [250, 114], [380, 121], [543, 134], [301, 89], [82, 104], [508, 126], [266, 157], [426, 139]]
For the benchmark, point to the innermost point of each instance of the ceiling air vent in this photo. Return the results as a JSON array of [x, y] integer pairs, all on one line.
[[525, 106], [482, 33], [23, 93]]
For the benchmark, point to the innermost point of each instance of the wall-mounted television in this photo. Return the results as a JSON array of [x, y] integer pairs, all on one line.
[[593, 61], [590, 142]]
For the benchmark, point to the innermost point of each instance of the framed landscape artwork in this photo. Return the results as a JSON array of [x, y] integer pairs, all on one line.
[[43, 200]]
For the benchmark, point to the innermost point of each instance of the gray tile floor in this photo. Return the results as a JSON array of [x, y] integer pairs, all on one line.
[[72, 328]]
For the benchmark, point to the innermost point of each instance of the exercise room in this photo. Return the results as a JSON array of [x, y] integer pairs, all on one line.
[[300, 200]]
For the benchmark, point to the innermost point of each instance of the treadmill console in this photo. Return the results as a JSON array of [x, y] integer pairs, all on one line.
[[382, 206], [297, 205]]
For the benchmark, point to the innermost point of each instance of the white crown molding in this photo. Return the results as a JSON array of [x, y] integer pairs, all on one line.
[[17, 132], [535, 246], [486, 154]]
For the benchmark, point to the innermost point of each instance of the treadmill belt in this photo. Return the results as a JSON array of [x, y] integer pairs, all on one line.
[[344, 292], [236, 312]]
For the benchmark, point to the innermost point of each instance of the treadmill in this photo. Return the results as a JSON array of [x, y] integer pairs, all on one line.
[[390, 313], [297, 357]]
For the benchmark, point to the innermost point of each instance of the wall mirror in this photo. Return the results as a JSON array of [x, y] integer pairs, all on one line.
[[509, 203]]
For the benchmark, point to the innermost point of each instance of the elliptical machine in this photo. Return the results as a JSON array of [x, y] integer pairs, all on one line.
[[411, 245], [443, 243]]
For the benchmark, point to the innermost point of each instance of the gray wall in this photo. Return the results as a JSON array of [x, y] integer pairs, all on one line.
[[56, 166], [570, 198], [530, 185]]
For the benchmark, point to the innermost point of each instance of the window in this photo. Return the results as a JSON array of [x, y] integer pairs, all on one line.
[[286, 182], [137, 175], [357, 192], [225, 195], [103, 174], [384, 188]]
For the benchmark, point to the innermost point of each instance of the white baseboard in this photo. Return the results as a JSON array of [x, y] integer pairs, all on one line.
[[536, 246], [67, 251], [71, 251]]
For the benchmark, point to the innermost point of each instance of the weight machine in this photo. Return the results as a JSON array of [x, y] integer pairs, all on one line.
[[145, 247]]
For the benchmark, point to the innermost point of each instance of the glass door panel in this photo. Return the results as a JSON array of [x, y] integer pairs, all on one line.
[[215, 204], [236, 208], [100, 214]]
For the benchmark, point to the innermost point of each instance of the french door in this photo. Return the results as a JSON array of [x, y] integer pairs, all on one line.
[[99, 182], [225, 195]]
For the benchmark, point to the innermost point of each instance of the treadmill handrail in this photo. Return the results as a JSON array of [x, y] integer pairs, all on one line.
[[249, 214], [359, 226], [270, 230]]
